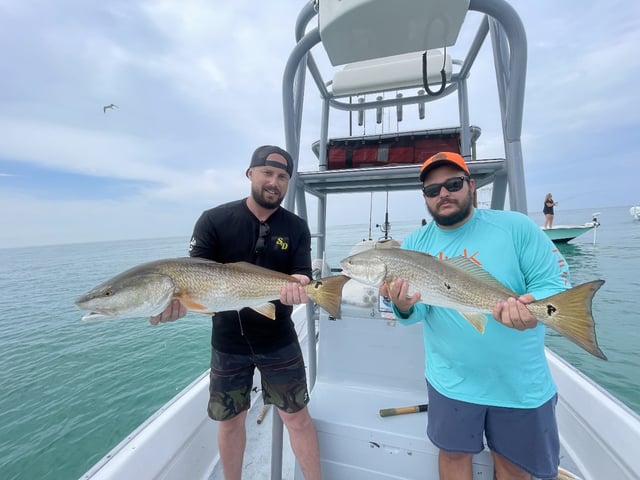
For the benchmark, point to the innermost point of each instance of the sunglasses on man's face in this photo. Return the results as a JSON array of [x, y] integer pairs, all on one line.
[[452, 185], [262, 237]]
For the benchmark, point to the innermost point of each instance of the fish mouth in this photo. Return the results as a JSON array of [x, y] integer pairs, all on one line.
[[94, 316], [98, 314]]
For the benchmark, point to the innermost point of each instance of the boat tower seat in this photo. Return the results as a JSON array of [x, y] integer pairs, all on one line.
[[392, 73]]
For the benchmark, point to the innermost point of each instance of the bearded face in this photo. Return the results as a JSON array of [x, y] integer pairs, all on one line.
[[452, 216], [267, 196]]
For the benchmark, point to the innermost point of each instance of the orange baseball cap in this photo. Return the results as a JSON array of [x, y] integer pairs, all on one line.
[[443, 157]]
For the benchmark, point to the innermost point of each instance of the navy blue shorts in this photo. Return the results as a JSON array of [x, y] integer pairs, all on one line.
[[527, 437], [283, 378]]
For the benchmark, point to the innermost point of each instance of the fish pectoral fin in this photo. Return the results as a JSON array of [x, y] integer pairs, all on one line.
[[267, 309], [478, 320], [191, 304]]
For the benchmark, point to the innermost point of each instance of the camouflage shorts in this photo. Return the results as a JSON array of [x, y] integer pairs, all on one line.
[[284, 381]]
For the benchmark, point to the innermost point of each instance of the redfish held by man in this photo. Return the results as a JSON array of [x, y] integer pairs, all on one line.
[[203, 286], [465, 287]]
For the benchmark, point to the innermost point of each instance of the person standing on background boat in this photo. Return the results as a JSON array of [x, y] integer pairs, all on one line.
[[548, 211], [497, 384], [258, 230]]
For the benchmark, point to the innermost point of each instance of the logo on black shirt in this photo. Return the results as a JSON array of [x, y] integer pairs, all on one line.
[[282, 243]]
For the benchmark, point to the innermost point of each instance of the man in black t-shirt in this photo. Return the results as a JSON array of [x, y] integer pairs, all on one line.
[[258, 230]]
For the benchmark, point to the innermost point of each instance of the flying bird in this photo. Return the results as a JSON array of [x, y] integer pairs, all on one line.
[[107, 107]]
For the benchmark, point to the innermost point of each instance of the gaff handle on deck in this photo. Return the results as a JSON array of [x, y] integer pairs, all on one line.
[[388, 412]]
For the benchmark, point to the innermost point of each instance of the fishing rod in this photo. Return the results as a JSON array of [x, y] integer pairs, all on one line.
[[370, 214], [386, 227]]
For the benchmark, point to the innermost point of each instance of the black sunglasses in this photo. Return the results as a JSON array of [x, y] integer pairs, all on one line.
[[452, 185], [263, 233]]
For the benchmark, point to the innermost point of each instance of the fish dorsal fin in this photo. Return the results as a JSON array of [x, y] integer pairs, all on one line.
[[250, 268], [267, 309], [474, 269]]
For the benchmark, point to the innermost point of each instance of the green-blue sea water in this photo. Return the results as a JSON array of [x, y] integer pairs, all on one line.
[[71, 390]]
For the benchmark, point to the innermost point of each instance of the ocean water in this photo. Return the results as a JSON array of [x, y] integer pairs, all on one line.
[[71, 390]]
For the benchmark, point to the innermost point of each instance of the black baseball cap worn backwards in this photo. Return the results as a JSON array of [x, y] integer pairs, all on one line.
[[259, 158]]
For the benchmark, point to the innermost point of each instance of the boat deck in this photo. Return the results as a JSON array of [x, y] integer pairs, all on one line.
[[179, 441], [355, 441], [257, 463]]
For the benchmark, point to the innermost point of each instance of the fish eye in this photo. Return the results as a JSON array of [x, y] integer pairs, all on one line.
[[108, 293]]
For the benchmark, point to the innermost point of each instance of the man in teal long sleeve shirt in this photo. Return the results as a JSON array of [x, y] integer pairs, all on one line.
[[495, 386]]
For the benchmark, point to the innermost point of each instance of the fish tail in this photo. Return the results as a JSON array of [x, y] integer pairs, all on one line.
[[569, 313], [327, 292]]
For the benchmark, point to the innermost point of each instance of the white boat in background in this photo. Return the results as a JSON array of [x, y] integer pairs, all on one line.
[[365, 361], [635, 212], [566, 233]]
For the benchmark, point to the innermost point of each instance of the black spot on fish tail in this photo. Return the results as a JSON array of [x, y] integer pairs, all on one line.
[[447, 286], [551, 310]]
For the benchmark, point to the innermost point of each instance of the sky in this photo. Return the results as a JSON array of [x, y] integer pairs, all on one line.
[[197, 85]]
